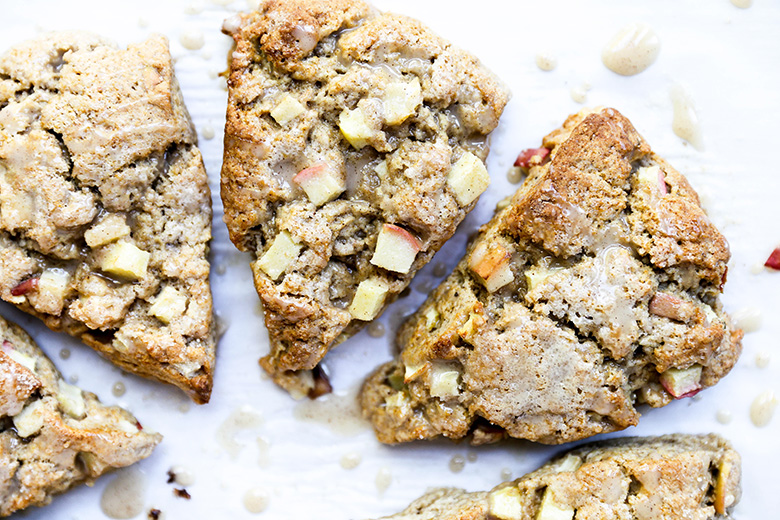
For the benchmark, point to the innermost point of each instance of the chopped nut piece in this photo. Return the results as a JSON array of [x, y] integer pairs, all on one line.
[[288, 109], [126, 260], [283, 251], [182, 493], [468, 178]]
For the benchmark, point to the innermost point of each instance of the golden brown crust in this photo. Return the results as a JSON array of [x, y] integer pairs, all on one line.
[[117, 165], [334, 60], [586, 320], [68, 438], [633, 478]]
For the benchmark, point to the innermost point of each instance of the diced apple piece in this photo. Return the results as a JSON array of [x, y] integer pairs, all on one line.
[[431, 318], [71, 400], [536, 275], [287, 109], [445, 381], [22, 288], [397, 400], [684, 382], [551, 510], [505, 504], [30, 420], [52, 288], [532, 157], [283, 251], [381, 170], [112, 227], [773, 262], [412, 371], [169, 304], [19, 357], [468, 329], [568, 463], [654, 177], [492, 265], [401, 100], [369, 298], [396, 249], [725, 487], [468, 178], [126, 260], [321, 183], [355, 128]]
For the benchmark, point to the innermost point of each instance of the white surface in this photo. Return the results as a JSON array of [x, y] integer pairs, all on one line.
[[728, 60]]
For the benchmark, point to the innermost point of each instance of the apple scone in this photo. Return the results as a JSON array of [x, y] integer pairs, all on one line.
[[105, 209], [53, 435], [673, 477], [596, 287], [355, 144]]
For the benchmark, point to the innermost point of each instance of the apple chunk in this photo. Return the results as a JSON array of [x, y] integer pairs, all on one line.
[[401, 100], [396, 249], [551, 510], [369, 298], [468, 178], [126, 260], [491, 264], [355, 127], [505, 504], [283, 251], [681, 383], [170, 304], [321, 183], [287, 109]]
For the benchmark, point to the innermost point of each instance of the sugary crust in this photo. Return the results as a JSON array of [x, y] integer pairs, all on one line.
[[335, 59], [115, 163], [65, 450], [654, 478], [590, 315]]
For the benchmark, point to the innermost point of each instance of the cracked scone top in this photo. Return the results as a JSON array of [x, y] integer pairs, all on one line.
[[54, 435], [355, 144], [654, 478], [595, 287], [105, 210]]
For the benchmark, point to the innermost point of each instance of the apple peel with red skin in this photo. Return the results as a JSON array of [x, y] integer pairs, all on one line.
[[525, 158], [773, 262]]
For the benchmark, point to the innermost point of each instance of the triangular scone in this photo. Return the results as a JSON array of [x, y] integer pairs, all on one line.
[[105, 210], [54, 435], [665, 478], [355, 144], [594, 288]]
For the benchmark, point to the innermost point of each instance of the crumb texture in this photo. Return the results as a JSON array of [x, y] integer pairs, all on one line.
[[105, 210], [633, 478], [355, 144], [595, 288], [54, 435]]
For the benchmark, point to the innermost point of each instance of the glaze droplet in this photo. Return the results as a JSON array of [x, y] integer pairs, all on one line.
[[634, 48]]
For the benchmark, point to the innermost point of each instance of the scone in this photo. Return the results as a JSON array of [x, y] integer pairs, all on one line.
[[675, 477], [355, 143], [54, 435], [594, 288], [105, 210]]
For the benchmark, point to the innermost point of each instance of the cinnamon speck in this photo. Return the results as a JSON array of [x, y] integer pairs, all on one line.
[[154, 514], [181, 493]]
